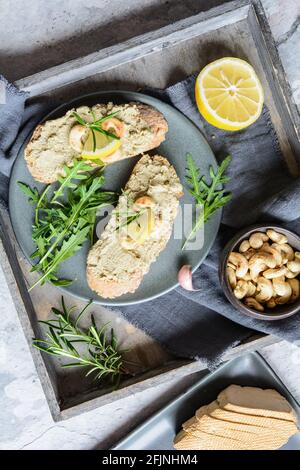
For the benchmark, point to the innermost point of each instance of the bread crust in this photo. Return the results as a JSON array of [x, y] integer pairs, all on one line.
[[151, 118], [112, 289], [156, 121]]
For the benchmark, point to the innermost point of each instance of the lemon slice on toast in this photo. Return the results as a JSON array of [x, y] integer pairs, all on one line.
[[104, 147]]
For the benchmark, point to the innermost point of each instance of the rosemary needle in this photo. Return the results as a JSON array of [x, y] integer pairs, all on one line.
[[98, 353]]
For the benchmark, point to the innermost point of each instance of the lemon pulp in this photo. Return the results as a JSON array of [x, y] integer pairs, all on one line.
[[229, 94], [105, 146], [140, 229]]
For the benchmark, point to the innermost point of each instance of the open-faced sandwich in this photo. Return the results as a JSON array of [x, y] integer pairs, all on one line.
[[101, 134], [138, 230]]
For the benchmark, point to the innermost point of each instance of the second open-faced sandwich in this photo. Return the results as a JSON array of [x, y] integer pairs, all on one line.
[[102, 134], [138, 230]]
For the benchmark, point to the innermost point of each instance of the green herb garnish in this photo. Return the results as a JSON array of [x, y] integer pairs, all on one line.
[[95, 126], [127, 217], [208, 197], [98, 351], [64, 221]]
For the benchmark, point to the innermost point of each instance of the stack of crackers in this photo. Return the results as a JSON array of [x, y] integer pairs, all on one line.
[[242, 418]]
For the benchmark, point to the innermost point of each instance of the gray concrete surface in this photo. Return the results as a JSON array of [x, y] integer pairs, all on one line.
[[33, 36]]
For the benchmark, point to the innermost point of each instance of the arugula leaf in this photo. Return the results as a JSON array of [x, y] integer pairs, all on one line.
[[210, 197], [68, 248], [77, 172], [31, 193], [62, 223], [192, 176]]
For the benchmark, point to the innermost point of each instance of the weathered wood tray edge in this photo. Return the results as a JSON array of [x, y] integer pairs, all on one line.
[[38, 84]]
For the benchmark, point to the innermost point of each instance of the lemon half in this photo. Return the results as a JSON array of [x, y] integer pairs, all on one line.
[[105, 146], [229, 94]]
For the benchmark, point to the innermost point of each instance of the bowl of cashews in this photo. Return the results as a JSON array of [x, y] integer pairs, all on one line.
[[260, 272]]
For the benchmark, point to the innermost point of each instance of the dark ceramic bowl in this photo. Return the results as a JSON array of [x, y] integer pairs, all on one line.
[[278, 313]]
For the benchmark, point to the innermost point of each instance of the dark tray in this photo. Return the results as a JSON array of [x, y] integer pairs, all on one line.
[[158, 432], [145, 61]]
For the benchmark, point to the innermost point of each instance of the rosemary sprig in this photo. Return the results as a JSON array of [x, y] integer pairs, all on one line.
[[64, 221], [208, 197], [95, 125], [99, 352]]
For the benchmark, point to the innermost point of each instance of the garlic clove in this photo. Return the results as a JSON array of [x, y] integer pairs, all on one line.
[[185, 278]]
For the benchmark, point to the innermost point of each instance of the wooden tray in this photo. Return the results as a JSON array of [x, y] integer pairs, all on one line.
[[156, 59]]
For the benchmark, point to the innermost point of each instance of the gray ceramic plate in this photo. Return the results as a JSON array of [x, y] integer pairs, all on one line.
[[183, 137], [158, 432]]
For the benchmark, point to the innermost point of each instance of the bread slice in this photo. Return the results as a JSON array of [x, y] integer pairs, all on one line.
[[116, 265], [205, 441], [216, 428], [277, 425], [49, 150], [256, 401], [256, 437]]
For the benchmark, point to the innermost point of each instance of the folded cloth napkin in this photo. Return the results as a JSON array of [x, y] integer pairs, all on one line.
[[16, 123], [201, 324]]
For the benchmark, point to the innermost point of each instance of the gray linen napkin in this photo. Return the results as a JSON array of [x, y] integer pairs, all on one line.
[[16, 123], [200, 324]]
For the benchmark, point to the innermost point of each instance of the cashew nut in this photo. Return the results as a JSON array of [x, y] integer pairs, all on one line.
[[240, 263], [241, 289], [295, 285], [290, 275], [271, 303], [256, 239], [249, 253], [276, 236], [277, 247], [244, 246], [230, 265], [77, 137], [276, 253], [272, 273], [284, 298], [252, 303], [294, 266], [256, 269], [231, 276], [264, 258], [251, 289], [259, 262], [143, 201], [265, 289], [281, 287], [247, 277], [286, 249]]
